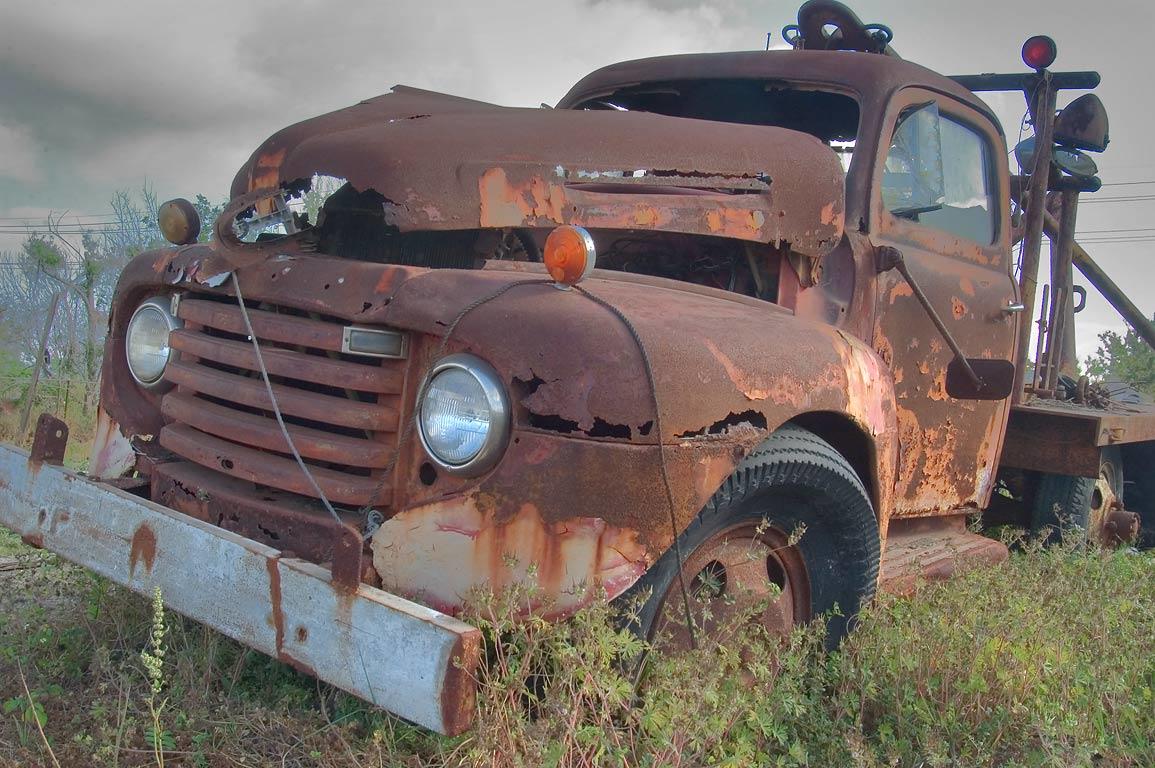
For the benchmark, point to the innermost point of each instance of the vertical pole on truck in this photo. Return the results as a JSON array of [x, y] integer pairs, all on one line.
[[26, 414], [1060, 342], [1043, 113], [1044, 314]]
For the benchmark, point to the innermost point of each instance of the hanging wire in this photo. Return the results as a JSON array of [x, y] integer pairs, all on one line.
[[276, 408], [411, 423], [661, 449]]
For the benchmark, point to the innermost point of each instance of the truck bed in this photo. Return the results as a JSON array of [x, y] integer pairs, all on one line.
[[1064, 437]]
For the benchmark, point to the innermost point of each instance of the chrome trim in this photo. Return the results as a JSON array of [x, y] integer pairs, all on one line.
[[164, 305], [497, 439], [348, 330]]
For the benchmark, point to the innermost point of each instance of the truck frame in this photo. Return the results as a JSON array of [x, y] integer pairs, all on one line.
[[798, 370]]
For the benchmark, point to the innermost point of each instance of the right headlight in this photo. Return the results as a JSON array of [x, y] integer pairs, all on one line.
[[146, 340], [463, 417]]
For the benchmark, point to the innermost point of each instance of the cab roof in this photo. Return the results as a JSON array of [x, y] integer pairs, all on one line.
[[872, 77]]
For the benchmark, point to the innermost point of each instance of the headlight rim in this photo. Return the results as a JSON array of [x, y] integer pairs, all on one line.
[[497, 440], [163, 305]]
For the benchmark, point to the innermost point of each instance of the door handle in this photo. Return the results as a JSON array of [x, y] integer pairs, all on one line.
[[1014, 307]]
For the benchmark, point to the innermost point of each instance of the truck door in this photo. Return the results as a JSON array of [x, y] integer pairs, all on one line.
[[940, 192]]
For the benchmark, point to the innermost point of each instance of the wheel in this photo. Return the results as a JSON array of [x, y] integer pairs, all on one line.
[[1066, 506], [793, 515], [1141, 490]]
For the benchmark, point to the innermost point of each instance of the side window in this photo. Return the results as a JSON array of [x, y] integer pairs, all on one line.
[[938, 173]]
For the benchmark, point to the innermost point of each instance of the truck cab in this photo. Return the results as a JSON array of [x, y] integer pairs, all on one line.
[[721, 327]]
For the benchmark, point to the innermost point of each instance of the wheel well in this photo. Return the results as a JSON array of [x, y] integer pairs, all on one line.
[[849, 440]]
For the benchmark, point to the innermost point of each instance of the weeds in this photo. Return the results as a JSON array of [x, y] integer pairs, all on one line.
[[1048, 660], [152, 658]]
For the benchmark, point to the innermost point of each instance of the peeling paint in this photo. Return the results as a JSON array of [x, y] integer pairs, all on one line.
[[442, 553]]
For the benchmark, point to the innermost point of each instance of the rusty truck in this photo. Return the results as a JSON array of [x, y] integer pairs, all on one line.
[[735, 325]]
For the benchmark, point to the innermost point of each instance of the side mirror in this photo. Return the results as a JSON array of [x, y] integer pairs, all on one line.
[[996, 379], [912, 179]]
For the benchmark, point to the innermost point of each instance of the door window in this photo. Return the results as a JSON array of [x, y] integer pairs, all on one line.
[[938, 173]]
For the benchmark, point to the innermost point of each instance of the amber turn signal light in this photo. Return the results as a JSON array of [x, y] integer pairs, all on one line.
[[179, 221], [569, 254]]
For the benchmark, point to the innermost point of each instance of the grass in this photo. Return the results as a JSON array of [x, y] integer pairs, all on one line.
[[1048, 660]]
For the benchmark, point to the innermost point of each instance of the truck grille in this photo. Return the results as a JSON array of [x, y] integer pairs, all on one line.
[[341, 410]]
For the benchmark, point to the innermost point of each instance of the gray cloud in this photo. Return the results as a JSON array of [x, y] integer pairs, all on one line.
[[103, 96]]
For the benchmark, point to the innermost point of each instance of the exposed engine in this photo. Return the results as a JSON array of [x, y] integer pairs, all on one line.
[[353, 225]]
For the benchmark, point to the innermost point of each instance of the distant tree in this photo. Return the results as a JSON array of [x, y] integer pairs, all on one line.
[[1124, 357], [208, 212], [83, 264]]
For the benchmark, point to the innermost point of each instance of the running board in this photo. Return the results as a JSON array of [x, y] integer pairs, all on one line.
[[932, 549]]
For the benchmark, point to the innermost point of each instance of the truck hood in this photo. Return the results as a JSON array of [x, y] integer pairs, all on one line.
[[444, 163]]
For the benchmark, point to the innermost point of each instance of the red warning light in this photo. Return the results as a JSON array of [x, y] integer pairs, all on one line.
[[1039, 52]]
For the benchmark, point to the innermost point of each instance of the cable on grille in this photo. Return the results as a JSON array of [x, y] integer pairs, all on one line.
[[276, 408], [411, 424]]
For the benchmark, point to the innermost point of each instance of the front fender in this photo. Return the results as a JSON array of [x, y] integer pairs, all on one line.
[[579, 497]]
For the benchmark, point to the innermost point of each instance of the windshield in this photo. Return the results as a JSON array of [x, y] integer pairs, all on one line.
[[830, 116]]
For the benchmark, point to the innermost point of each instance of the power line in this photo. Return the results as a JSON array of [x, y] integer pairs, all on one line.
[[44, 228], [1111, 231], [1120, 199], [1137, 239], [74, 231], [62, 216]]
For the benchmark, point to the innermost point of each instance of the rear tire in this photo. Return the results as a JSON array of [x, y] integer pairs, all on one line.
[[794, 479], [1067, 507]]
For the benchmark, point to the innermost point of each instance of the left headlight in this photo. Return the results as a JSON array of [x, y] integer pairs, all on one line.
[[463, 416], [146, 340]]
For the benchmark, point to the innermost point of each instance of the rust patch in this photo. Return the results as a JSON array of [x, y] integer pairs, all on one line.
[[937, 389], [459, 691], [966, 286], [276, 614], [781, 389], [900, 290], [266, 170], [440, 553], [957, 308], [743, 224], [830, 215], [501, 204], [112, 453], [864, 376], [143, 549], [347, 566]]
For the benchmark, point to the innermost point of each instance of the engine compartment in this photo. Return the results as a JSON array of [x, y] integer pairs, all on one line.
[[354, 225]]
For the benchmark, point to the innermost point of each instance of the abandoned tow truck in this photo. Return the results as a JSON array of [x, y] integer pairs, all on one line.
[[705, 302]]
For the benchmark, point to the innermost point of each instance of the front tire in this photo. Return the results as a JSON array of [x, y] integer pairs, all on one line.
[[793, 514]]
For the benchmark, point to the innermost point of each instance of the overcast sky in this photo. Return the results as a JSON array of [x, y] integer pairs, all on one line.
[[96, 97]]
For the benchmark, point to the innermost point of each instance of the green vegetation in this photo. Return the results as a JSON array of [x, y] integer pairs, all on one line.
[[1126, 358], [1048, 660]]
